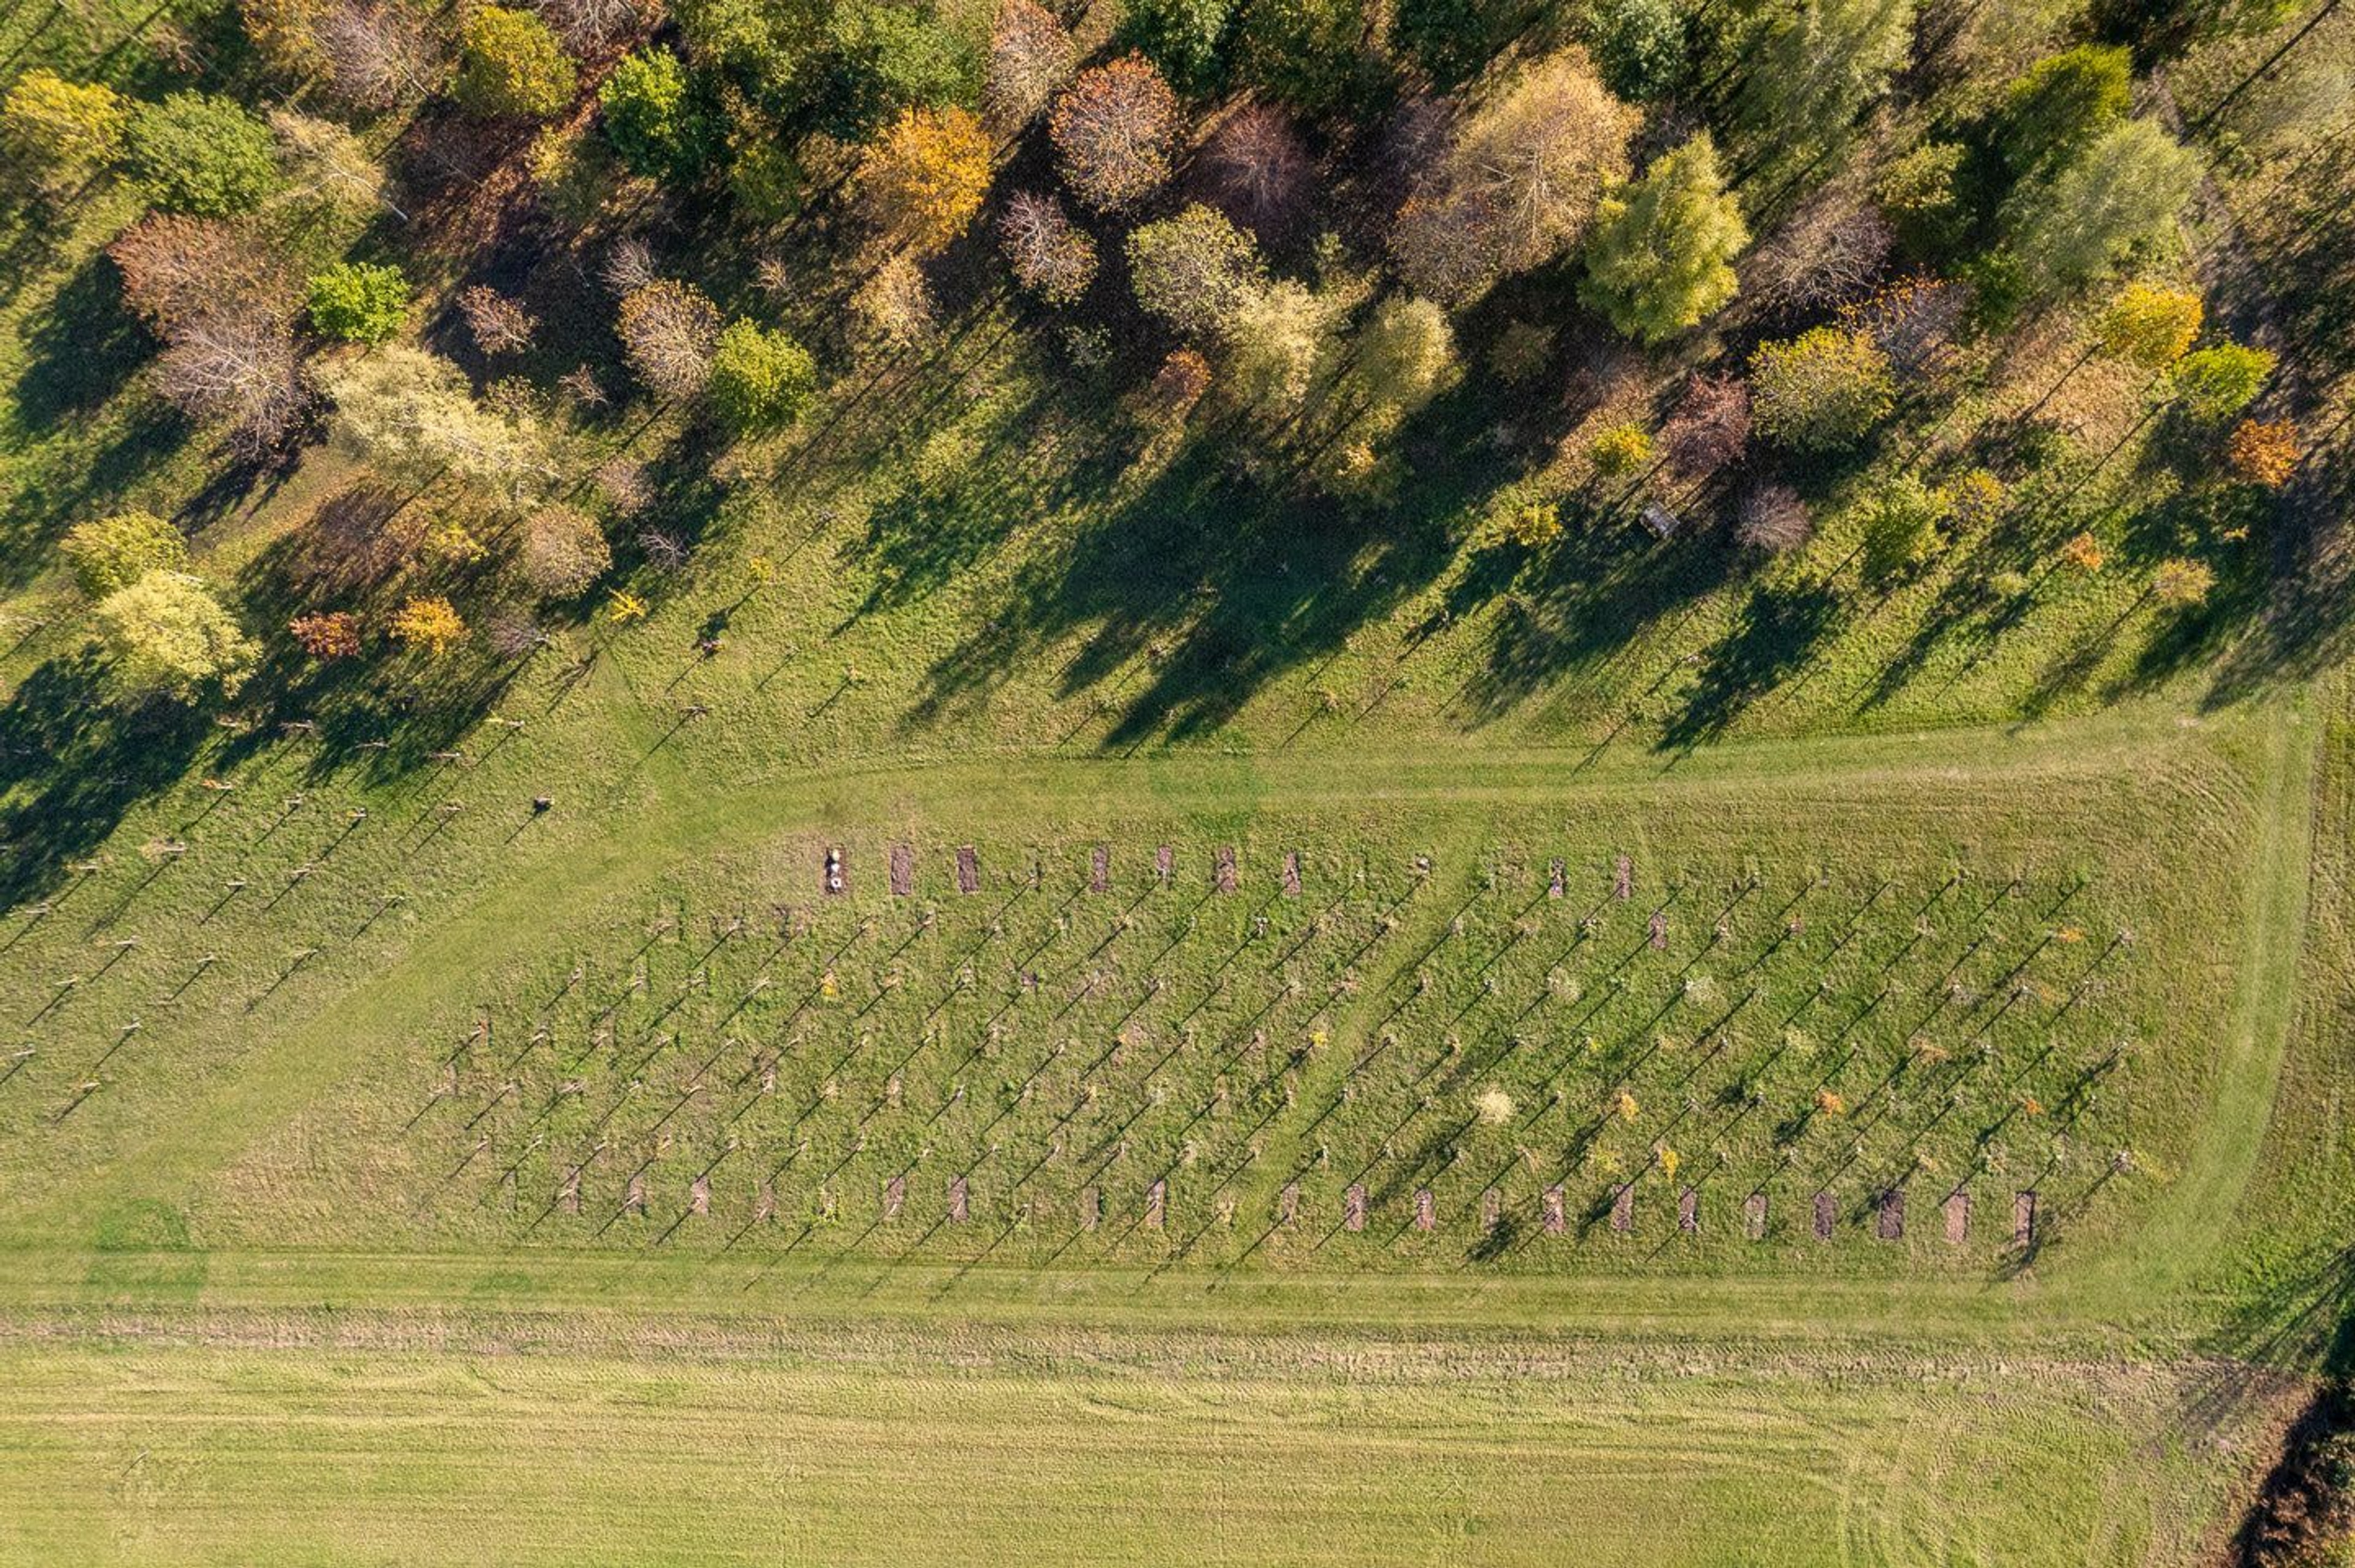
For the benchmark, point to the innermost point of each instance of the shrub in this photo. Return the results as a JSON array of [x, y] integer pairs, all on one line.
[[511, 67], [1823, 388], [1772, 518], [113, 554], [894, 309], [2214, 384], [1112, 131], [2149, 325], [166, 634], [59, 131], [1900, 528], [2083, 553], [760, 379], [359, 302], [329, 635], [1533, 526], [428, 624], [1709, 427], [1050, 257], [196, 153], [2263, 451], [1621, 450], [2180, 584]]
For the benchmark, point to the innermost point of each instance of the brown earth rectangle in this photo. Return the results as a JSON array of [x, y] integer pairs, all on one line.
[[968, 870], [1353, 1207], [2023, 1218], [698, 1196], [960, 1204], [1426, 1209], [1754, 1216], [1889, 1223], [1826, 1211], [1557, 1215], [1688, 1211], [1492, 1209], [1156, 1205], [895, 1196], [1226, 877], [1292, 873], [1164, 859], [903, 870], [1623, 1208], [1090, 1207], [1556, 880], [1100, 869], [1957, 1209]]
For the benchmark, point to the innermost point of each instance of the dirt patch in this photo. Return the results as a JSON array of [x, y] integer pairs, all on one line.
[[1957, 1211], [1287, 1204], [1659, 930], [1226, 877], [634, 1200], [1826, 1212], [1623, 1208], [895, 1196], [2023, 1218], [1557, 1212], [903, 870], [1688, 1211], [1090, 1207], [1100, 869], [1754, 1216], [1292, 873], [1163, 859], [1353, 1207], [1156, 1205], [1492, 1211], [1889, 1223], [968, 870], [698, 1196], [1556, 880], [1623, 879], [764, 1204], [1426, 1209], [960, 1205]]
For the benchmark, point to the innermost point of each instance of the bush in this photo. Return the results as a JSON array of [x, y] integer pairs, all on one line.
[[114, 552], [1193, 271], [2215, 384], [1823, 388], [922, 180], [760, 379], [196, 153], [1621, 450], [359, 302], [564, 551], [1900, 528], [511, 67], [428, 625], [329, 635]]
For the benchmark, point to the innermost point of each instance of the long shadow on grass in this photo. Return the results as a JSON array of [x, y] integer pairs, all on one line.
[[1220, 584]]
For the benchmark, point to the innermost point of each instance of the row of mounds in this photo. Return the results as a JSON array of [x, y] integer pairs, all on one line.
[[1226, 873], [1887, 1208]]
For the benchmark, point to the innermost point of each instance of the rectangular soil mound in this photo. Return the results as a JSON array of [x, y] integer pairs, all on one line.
[[903, 870], [1226, 877], [1957, 1210], [968, 870], [1890, 1223], [1824, 1212], [2023, 1218], [1688, 1211], [1557, 1216], [1287, 1203], [958, 1207], [1090, 1207], [1492, 1209], [1100, 870], [1754, 1216], [1292, 873], [1353, 1207], [1164, 859], [895, 1196], [1426, 1209], [1157, 1204], [1622, 1207]]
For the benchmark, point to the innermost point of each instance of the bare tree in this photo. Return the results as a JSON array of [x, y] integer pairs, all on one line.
[[177, 269], [670, 331], [628, 487], [590, 26], [327, 166], [1709, 426], [894, 308], [1772, 518], [630, 266], [498, 323], [1915, 324], [1259, 170], [375, 54], [1833, 249], [665, 551], [1052, 259], [238, 368], [1031, 55]]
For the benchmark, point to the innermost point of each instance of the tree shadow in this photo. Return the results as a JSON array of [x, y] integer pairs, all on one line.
[[1776, 633], [81, 349]]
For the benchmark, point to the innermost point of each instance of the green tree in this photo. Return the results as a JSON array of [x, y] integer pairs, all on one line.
[[113, 554], [1303, 52], [1184, 39], [1449, 39], [358, 302], [1659, 258], [1919, 193], [1194, 270], [1815, 71], [166, 634], [511, 65], [765, 46], [885, 59], [1900, 528], [59, 131], [2120, 192], [652, 117], [2060, 104], [1640, 47], [197, 152], [2215, 384], [1823, 388], [761, 380]]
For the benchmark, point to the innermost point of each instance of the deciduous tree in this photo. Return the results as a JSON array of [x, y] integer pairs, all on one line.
[[1193, 270], [358, 302], [411, 418], [114, 552], [2149, 325], [668, 332], [374, 54], [199, 154], [166, 634], [1113, 130], [2211, 384], [1823, 388], [761, 380], [564, 551], [1050, 257], [1661, 255], [922, 180], [428, 624], [326, 634], [1258, 170], [2121, 191], [511, 65], [1031, 58], [58, 133]]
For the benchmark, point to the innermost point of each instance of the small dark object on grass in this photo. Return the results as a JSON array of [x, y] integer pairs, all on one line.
[[543, 802]]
